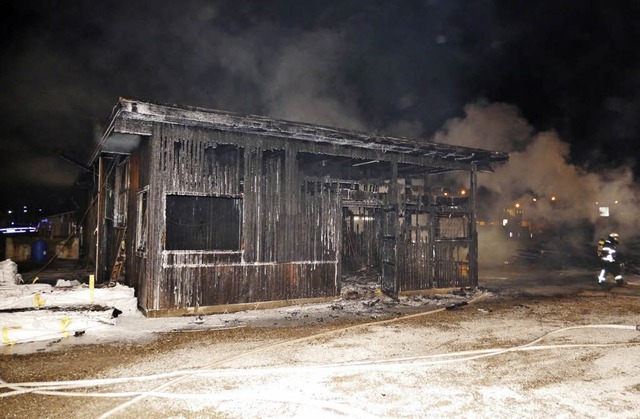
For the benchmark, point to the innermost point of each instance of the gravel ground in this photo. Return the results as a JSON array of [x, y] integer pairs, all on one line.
[[528, 344]]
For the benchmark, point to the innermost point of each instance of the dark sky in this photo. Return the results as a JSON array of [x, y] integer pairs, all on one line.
[[393, 67]]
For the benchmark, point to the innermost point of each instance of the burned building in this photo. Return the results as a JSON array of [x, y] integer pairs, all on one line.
[[204, 211]]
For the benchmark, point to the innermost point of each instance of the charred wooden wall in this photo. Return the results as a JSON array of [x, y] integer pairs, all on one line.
[[436, 240], [443, 264], [290, 233], [137, 272], [289, 221]]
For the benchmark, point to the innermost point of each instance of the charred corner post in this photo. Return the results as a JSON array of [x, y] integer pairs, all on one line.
[[204, 211]]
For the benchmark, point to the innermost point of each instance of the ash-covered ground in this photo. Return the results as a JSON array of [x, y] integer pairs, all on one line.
[[527, 343]]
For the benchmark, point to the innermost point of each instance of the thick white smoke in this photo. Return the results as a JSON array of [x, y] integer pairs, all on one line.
[[555, 195]]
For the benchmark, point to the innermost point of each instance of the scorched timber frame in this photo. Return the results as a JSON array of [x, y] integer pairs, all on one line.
[[217, 211]]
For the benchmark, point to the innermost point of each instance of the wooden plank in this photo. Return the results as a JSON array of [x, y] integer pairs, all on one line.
[[232, 308]]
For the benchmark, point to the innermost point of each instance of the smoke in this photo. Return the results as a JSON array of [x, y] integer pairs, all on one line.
[[560, 200], [357, 65], [61, 83], [296, 78], [493, 126]]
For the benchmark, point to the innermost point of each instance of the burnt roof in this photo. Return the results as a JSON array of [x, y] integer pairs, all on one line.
[[137, 117]]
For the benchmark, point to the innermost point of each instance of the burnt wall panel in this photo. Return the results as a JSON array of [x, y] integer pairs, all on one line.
[[253, 214], [197, 285], [272, 204], [136, 272], [319, 224], [287, 222], [451, 265], [162, 174], [415, 266], [192, 161], [287, 219], [189, 258]]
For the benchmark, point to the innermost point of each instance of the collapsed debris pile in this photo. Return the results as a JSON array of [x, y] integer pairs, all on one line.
[[360, 298], [361, 295]]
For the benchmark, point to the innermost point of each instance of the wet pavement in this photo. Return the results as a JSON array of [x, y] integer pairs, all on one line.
[[544, 281]]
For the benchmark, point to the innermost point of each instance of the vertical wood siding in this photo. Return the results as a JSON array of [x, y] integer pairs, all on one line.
[[452, 265], [137, 271], [291, 229]]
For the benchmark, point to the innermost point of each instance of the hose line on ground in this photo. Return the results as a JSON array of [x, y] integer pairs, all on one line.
[[55, 387]]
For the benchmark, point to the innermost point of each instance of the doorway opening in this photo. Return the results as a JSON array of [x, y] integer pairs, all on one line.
[[361, 258]]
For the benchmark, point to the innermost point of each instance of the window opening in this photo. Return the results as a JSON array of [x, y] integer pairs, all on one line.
[[203, 223]]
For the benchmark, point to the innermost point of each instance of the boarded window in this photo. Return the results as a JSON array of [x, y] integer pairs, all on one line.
[[203, 223], [143, 220]]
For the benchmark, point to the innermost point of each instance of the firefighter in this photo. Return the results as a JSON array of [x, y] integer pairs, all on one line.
[[609, 259]]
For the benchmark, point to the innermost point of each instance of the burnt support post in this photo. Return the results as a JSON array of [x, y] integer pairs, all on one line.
[[473, 252], [396, 197], [433, 233], [101, 244]]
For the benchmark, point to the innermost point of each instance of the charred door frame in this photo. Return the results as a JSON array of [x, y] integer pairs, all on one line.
[[473, 251]]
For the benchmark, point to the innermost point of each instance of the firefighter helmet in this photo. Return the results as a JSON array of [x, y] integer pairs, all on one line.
[[614, 237]]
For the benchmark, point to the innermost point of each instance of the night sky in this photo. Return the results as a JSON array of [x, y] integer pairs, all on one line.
[[392, 67]]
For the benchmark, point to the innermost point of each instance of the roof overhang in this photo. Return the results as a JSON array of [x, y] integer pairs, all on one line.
[[132, 119], [121, 143]]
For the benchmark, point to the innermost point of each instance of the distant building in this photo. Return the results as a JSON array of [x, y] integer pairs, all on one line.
[[205, 211], [60, 232]]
